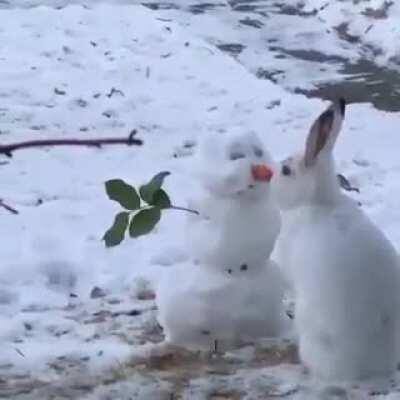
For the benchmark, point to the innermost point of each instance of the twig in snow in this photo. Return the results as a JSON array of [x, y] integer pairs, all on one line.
[[8, 208], [346, 185], [215, 350], [19, 352], [8, 149], [114, 91]]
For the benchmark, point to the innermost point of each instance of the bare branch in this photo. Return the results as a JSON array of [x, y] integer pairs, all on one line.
[[19, 352], [8, 149]]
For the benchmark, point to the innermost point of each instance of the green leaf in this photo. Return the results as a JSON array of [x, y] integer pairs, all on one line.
[[115, 235], [161, 199], [144, 222], [123, 193], [148, 191]]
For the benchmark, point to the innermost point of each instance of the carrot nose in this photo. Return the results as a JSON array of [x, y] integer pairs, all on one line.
[[261, 172]]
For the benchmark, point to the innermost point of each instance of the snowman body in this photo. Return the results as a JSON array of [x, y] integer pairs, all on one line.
[[229, 291], [201, 310], [238, 235]]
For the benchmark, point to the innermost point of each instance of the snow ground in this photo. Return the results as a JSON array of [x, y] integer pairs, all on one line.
[[58, 68]]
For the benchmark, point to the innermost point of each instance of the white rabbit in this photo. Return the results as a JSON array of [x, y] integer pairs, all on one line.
[[239, 221], [343, 269]]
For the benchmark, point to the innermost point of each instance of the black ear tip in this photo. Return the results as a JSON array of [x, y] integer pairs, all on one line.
[[342, 105]]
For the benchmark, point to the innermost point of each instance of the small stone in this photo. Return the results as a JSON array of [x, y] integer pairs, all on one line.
[[133, 313], [244, 267], [60, 92], [146, 295], [109, 113], [97, 293], [272, 104], [130, 313], [37, 127], [114, 301], [28, 326], [81, 103], [67, 50], [290, 314]]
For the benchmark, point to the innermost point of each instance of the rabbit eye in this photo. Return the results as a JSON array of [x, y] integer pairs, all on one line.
[[286, 170], [258, 152], [236, 156]]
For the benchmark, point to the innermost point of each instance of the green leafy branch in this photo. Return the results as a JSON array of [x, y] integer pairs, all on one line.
[[142, 208]]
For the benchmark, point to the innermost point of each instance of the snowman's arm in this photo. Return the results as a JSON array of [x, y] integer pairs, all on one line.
[[196, 206]]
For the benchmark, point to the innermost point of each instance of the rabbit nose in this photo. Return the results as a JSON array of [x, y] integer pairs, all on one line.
[[261, 172]]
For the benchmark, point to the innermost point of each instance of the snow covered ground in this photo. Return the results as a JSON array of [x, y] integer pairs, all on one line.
[[102, 71]]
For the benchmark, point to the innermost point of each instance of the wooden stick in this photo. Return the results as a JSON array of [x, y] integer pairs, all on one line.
[[8, 149]]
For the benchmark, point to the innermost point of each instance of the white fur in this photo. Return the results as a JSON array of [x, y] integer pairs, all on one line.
[[230, 292], [344, 273]]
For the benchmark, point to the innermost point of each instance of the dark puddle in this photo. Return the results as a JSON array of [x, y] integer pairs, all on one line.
[[234, 49], [365, 83], [362, 81], [201, 8], [161, 6], [308, 55], [264, 7], [252, 22]]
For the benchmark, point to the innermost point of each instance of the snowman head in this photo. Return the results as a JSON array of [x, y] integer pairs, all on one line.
[[235, 165]]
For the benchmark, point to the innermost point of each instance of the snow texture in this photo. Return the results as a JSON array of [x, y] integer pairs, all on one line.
[[84, 70]]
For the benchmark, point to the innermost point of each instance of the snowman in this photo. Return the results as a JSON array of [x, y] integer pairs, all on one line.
[[230, 292]]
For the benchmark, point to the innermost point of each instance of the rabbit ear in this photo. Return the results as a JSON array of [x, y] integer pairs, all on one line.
[[324, 131]]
